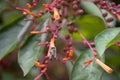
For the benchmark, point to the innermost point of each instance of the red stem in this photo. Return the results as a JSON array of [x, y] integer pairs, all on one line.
[[82, 36], [38, 77]]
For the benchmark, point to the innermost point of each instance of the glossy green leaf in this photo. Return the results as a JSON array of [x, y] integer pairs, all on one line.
[[8, 76], [112, 58], [24, 33], [107, 76], [103, 39], [8, 39], [30, 52], [91, 8], [9, 18], [69, 66], [89, 26], [92, 72]]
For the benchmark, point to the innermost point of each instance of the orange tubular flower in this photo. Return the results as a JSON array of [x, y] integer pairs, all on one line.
[[56, 14], [105, 67], [44, 70], [42, 43], [28, 6], [52, 42], [71, 53], [52, 50], [29, 12], [118, 16], [85, 65], [37, 32], [37, 64], [66, 59], [87, 61], [46, 6]]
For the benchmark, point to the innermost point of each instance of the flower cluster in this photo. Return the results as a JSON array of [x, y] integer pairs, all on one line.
[[110, 7], [60, 11]]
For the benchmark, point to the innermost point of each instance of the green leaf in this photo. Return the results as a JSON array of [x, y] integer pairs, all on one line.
[[30, 52], [107, 76], [112, 57], [9, 76], [24, 33], [69, 66], [103, 39], [91, 72], [89, 25], [8, 39], [10, 18], [3, 6], [91, 8]]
